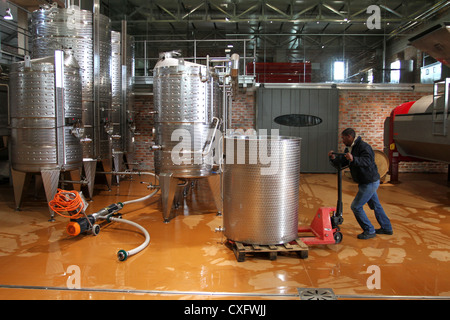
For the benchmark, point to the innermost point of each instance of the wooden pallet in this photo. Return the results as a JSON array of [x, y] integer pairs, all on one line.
[[241, 249]]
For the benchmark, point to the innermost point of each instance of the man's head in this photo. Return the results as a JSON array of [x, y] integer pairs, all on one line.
[[348, 135]]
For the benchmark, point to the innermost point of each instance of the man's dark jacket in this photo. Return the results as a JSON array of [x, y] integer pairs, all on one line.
[[363, 167]]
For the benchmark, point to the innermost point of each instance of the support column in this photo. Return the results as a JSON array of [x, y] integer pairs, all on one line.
[[50, 179], [19, 180], [107, 167], [168, 188], [90, 167], [215, 183], [75, 175]]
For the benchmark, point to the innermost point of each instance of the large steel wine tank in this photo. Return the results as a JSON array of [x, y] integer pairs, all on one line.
[[55, 28], [46, 113], [187, 117], [187, 105], [261, 194], [122, 99], [37, 142]]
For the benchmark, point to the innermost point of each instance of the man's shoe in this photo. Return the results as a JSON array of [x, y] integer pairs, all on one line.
[[366, 235], [384, 231]]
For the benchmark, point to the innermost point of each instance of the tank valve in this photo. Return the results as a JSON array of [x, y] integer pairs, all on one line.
[[220, 229], [150, 185]]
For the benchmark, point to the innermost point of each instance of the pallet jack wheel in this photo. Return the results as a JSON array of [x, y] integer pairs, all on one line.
[[337, 237]]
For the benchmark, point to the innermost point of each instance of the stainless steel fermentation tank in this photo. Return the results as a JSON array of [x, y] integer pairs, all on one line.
[[188, 108], [88, 35], [261, 194], [46, 113], [122, 100]]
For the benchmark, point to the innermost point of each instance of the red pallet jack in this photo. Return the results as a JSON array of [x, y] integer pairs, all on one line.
[[325, 225]]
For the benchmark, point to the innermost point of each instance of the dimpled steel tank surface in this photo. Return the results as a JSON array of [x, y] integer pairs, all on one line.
[[184, 100], [260, 200], [187, 105], [55, 28], [35, 144]]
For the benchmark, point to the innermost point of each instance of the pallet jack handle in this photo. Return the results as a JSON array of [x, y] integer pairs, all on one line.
[[339, 206]]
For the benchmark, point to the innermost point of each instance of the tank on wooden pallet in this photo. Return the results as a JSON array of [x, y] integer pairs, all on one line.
[[261, 189]]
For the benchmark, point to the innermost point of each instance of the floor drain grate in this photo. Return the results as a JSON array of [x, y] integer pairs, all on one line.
[[316, 294]]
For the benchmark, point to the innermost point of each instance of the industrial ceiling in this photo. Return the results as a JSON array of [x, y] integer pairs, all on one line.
[[276, 30]]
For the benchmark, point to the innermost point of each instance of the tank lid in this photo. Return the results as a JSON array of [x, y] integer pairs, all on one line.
[[173, 59]]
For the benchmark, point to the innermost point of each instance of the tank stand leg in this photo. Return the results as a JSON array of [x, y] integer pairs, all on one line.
[[75, 175], [107, 166], [19, 180], [214, 182], [50, 178], [168, 188], [129, 159], [117, 161], [90, 167]]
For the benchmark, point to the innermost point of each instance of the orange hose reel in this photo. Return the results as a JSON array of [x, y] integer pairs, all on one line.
[[68, 201]]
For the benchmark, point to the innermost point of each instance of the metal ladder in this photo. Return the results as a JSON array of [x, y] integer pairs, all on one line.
[[440, 113]]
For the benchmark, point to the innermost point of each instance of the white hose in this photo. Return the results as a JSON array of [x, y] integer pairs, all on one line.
[[141, 199], [122, 254]]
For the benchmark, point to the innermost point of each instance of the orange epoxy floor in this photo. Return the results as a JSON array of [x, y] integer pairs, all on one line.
[[186, 258]]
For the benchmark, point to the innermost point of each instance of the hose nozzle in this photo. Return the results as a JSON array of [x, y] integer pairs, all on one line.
[[122, 255]]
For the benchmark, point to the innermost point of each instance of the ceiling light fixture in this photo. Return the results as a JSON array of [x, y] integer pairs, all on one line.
[[8, 15]]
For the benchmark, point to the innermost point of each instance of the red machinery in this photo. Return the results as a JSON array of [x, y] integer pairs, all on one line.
[[395, 157], [280, 72]]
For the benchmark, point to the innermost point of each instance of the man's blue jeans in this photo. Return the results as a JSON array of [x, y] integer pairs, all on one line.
[[367, 193]]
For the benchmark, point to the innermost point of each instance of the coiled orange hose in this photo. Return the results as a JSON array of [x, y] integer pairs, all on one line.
[[67, 201]]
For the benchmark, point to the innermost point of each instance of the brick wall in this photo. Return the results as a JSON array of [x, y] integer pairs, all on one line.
[[365, 111], [244, 110], [144, 125]]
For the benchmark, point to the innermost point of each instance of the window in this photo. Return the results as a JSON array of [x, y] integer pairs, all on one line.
[[339, 70], [395, 72], [370, 76]]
